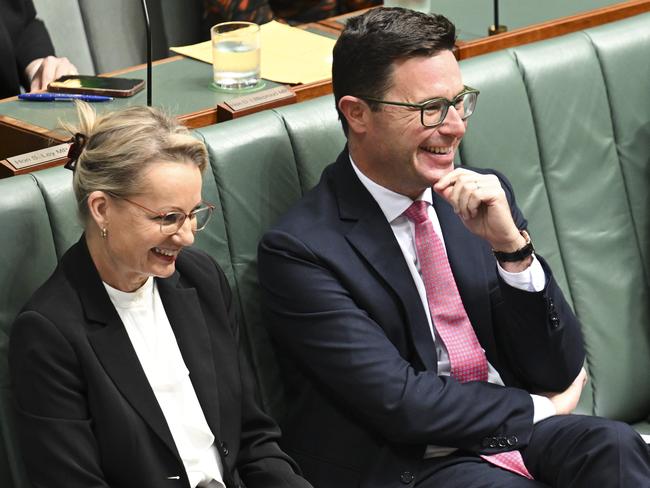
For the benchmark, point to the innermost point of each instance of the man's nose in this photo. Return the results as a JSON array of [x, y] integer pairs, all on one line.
[[453, 123]]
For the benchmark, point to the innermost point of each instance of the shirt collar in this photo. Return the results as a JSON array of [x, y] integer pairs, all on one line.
[[141, 296], [392, 204]]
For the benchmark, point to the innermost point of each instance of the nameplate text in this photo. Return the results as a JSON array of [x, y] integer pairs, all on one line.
[[41, 156], [259, 98]]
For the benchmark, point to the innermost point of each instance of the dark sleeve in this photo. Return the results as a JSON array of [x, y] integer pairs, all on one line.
[[539, 333], [260, 461], [54, 425], [318, 320], [31, 40]]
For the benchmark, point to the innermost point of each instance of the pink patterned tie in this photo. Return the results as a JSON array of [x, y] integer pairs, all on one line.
[[467, 358]]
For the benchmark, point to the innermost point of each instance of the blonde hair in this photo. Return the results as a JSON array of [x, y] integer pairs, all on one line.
[[120, 145]]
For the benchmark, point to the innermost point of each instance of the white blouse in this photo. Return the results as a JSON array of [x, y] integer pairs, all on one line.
[[150, 332]]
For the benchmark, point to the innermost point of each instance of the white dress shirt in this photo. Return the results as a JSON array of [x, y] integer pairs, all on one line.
[[393, 205], [153, 339]]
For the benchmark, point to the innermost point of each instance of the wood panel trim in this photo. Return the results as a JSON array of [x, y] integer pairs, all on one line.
[[552, 28]]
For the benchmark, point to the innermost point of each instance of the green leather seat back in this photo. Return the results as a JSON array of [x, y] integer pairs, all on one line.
[[501, 135], [255, 173], [28, 258], [316, 136], [592, 217], [214, 238], [56, 186], [628, 85]]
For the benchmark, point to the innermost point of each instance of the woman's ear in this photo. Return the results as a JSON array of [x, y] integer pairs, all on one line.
[[356, 112], [98, 208]]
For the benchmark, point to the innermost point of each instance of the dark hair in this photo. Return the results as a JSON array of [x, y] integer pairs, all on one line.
[[370, 43]]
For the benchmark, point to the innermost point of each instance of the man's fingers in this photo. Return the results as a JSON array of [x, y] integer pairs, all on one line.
[[50, 69]]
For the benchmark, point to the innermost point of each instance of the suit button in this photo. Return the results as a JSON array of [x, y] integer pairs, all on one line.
[[502, 442], [512, 440], [555, 321], [493, 442], [224, 449], [407, 477]]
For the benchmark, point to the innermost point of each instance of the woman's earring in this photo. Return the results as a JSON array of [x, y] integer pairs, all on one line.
[[104, 232]]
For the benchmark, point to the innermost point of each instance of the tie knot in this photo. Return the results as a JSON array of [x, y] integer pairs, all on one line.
[[417, 212]]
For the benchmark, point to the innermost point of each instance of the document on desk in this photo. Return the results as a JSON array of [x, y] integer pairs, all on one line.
[[289, 54]]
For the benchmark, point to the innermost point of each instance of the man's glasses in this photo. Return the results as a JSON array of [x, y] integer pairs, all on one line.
[[171, 222], [434, 111]]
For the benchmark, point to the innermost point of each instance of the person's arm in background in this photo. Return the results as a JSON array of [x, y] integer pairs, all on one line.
[[37, 65], [258, 11]]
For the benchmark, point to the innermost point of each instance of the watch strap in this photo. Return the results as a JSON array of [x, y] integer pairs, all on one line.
[[519, 254]]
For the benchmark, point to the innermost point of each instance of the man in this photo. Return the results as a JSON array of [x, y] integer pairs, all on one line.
[[26, 51], [428, 345]]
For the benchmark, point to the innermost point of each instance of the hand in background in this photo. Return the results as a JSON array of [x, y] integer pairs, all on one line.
[[43, 70]]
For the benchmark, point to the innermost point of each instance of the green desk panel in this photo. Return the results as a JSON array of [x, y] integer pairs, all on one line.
[[180, 86]]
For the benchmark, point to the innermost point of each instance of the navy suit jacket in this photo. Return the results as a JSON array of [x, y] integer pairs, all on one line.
[[86, 413], [365, 398]]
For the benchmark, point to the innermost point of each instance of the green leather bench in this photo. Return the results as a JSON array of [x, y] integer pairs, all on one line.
[[568, 120]]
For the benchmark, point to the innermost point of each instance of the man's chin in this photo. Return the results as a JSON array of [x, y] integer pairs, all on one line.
[[434, 172]]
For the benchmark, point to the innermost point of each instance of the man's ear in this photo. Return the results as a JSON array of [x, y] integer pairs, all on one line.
[[356, 112], [98, 208]]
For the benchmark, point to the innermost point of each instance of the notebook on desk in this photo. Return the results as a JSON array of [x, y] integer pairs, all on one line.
[[289, 55]]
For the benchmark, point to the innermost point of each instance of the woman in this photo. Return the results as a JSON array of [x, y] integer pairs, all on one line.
[[124, 363]]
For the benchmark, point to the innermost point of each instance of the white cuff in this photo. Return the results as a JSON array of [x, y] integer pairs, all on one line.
[[543, 408], [532, 278]]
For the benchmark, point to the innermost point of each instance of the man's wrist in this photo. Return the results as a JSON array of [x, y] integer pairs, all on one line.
[[543, 408], [519, 251]]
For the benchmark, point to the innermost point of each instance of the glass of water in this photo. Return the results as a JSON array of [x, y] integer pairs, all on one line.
[[420, 5], [236, 55]]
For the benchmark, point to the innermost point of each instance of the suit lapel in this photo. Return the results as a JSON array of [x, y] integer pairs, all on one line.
[[185, 314], [373, 238], [111, 343]]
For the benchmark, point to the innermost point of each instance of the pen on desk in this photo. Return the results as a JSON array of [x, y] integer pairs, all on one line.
[[63, 97]]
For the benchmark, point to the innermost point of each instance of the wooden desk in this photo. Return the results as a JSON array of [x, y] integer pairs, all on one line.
[[467, 48], [181, 85]]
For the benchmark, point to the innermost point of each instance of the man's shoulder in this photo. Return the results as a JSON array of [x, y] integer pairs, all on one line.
[[315, 208]]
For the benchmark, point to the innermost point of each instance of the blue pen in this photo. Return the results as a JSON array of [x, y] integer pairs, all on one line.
[[63, 97]]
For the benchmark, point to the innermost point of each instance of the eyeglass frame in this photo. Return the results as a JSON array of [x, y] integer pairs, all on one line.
[[162, 215], [421, 106]]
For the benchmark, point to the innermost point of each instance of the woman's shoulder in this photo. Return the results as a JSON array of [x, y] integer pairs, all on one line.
[[196, 265], [53, 296]]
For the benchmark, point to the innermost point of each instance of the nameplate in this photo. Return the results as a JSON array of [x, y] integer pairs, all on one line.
[[259, 98], [41, 156]]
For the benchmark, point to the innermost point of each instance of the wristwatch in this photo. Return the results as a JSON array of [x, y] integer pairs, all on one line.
[[519, 254]]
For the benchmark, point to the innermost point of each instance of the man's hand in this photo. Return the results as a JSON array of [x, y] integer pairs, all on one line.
[[566, 401], [481, 202], [43, 70]]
